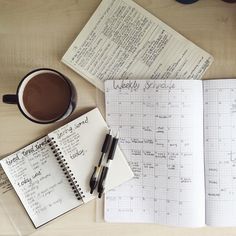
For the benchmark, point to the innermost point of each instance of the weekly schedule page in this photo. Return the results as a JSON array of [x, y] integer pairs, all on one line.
[[161, 134], [220, 151]]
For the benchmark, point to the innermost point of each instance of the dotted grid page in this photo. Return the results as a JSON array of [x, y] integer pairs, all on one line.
[[161, 134], [220, 151]]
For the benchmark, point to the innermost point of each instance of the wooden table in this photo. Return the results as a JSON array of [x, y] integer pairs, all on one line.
[[37, 33]]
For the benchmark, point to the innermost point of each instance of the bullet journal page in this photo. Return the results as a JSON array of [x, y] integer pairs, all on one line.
[[39, 182], [161, 133], [220, 151]]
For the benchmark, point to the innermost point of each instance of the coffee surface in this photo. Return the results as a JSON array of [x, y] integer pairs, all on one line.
[[46, 96]]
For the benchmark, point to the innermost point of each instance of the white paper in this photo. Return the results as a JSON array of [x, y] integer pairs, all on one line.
[[220, 151], [123, 41], [39, 182], [161, 134], [5, 185], [80, 142]]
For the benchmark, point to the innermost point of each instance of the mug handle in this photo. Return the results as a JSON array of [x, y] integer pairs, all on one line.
[[10, 98]]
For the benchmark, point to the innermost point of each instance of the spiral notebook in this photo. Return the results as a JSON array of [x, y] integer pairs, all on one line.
[[51, 176]]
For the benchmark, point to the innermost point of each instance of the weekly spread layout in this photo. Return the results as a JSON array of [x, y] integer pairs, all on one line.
[[179, 137]]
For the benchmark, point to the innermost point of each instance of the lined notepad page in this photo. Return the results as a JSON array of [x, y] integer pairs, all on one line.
[[80, 142], [161, 134], [39, 182], [220, 151], [124, 41]]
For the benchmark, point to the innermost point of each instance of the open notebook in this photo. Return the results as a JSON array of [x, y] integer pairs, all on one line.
[[168, 129], [124, 41], [51, 176]]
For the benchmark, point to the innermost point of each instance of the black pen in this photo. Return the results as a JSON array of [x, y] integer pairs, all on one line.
[[94, 178], [102, 181]]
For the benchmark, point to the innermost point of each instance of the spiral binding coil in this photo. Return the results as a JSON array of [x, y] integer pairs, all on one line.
[[66, 169]]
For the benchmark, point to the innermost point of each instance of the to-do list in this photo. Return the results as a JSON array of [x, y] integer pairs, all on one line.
[[39, 181]]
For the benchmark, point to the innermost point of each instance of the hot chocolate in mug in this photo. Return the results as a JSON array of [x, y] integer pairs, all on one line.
[[44, 96]]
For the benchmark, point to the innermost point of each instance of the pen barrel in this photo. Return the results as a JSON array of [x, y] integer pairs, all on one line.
[[113, 148], [104, 174], [102, 180], [93, 181], [106, 143]]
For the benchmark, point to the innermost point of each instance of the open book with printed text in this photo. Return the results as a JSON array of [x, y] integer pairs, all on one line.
[[124, 41]]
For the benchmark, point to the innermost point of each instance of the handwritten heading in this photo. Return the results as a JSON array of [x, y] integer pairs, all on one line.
[[67, 130], [134, 85]]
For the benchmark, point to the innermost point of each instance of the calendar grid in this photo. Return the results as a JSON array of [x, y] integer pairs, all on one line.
[[219, 105], [156, 127]]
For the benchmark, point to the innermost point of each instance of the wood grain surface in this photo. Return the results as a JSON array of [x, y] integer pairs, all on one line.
[[36, 33]]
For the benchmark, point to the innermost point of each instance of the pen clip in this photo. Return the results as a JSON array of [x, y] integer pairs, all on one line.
[[113, 147]]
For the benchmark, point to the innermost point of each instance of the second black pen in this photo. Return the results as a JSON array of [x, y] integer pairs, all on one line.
[[94, 178], [102, 180]]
